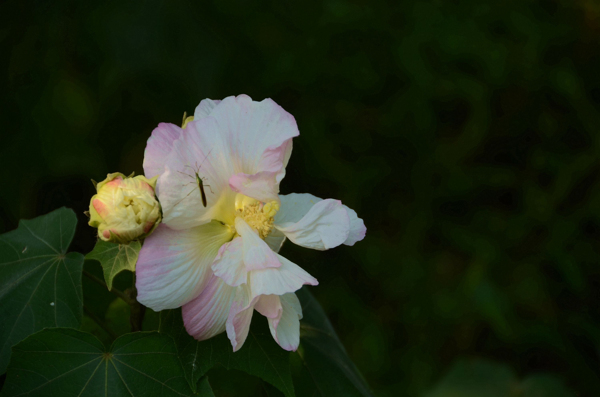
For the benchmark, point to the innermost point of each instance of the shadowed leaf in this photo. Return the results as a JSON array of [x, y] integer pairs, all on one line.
[[67, 362], [40, 283], [326, 369]]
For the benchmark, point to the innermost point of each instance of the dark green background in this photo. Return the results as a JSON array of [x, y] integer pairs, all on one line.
[[465, 134]]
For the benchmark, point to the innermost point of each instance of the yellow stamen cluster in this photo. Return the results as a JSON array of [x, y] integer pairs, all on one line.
[[256, 214]]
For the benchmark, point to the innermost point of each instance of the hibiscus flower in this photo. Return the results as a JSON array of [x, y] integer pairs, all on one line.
[[224, 221]]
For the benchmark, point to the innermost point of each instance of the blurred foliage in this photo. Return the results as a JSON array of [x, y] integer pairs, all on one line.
[[476, 378], [464, 133]]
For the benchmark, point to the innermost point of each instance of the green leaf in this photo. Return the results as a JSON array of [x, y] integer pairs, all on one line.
[[67, 362], [204, 388], [326, 369], [115, 258], [260, 355], [40, 283], [478, 377]]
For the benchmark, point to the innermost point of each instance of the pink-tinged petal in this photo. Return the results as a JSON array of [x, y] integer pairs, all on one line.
[[324, 226], [287, 153], [253, 131], [278, 281], [285, 328], [206, 316], [262, 186], [240, 316], [229, 264], [159, 146], [205, 108], [275, 240], [115, 183], [269, 306], [357, 228], [148, 226], [275, 159], [173, 266], [257, 254], [100, 208], [107, 199]]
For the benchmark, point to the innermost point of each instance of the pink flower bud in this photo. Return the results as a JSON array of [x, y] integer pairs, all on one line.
[[124, 209]]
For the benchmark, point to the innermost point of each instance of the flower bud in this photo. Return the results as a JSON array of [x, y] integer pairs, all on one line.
[[124, 208]]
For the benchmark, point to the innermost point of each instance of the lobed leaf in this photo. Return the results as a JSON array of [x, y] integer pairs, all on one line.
[[67, 362], [40, 283], [115, 258]]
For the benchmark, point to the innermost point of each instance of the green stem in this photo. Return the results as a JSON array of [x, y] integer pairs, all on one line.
[[137, 309], [115, 291], [101, 323]]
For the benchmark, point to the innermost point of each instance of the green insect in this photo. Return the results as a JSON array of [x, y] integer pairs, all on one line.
[[199, 181]]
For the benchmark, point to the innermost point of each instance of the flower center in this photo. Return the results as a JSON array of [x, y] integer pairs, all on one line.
[[256, 214]]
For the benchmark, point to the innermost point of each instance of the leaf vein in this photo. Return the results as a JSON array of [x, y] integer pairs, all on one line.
[[148, 376], [39, 238]]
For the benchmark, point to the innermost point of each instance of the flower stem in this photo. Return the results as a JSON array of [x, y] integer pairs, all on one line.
[[137, 309], [101, 323], [115, 291]]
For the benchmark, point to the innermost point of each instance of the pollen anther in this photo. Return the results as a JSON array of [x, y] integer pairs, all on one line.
[[257, 215]]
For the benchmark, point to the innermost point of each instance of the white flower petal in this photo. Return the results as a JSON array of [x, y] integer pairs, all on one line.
[[275, 159], [234, 136], [262, 186], [255, 131], [275, 240], [206, 316], [257, 254], [269, 306], [295, 206], [201, 150], [205, 107], [173, 266], [283, 313], [279, 280], [325, 225], [286, 327], [240, 316], [229, 264], [357, 228]]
